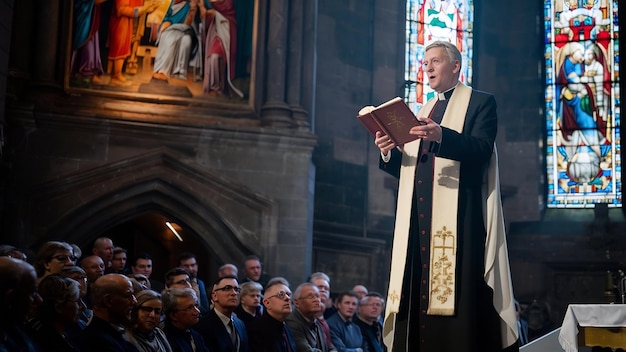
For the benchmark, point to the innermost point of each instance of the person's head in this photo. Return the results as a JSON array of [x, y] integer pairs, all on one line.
[[442, 65], [227, 270], [18, 285], [360, 291], [141, 279], [103, 248], [142, 264], [52, 257], [13, 252], [93, 266], [252, 268], [113, 298], [180, 307], [347, 304], [118, 262], [277, 279], [225, 295], [322, 282], [77, 274], [250, 295], [371, 307], [277, 300], [177, 278], [146, 314], [60, 300], [307, 300], [189, 262]]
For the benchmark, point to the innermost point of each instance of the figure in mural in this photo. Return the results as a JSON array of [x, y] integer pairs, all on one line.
[[600, 77], [121, 33], [220, 48], [86, 62], [583, 142], [584, 21], [177, 41]]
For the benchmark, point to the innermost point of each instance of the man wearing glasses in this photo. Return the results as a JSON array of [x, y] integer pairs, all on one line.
[[306, 328], [180, 307], [222, 331], [270, 333]]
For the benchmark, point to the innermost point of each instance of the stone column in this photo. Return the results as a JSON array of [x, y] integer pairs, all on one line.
[[275, 111], [46, 54]]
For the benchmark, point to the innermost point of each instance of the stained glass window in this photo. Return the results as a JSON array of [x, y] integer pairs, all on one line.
[[582, 103], [428, 21]]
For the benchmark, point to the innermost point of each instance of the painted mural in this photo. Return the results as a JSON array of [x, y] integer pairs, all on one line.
[[582, 103], [201, 49]]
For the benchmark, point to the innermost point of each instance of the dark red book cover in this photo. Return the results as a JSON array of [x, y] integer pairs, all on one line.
[[393, 118]]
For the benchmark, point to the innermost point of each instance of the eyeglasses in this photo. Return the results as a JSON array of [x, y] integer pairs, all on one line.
[[183, 282], [372, 304], [149, 310], [191, 307], [65, 258], [228, 288], [312, 296], [281, 295]]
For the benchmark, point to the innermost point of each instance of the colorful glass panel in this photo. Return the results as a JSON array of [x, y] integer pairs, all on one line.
[[582, 103], [428, 21]]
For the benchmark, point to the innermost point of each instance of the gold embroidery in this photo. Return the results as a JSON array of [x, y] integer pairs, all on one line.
[[395, 120], [442, 278], [393, 296]]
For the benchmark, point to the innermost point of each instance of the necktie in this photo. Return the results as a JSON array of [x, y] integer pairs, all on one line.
[[286, 343], [233, 335], [326, 331]]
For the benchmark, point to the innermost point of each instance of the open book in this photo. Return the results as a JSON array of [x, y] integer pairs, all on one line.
[[393, 118]]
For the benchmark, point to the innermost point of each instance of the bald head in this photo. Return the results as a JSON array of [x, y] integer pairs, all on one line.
[[93, 266], [18, 283], [113, 298]]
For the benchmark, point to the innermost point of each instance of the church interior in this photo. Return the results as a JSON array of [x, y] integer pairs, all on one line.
[[273, 162]]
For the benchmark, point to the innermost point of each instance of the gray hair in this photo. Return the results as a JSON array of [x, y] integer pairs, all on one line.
[[170, 298], [319, 275], [249, 288], [453, 52], [298, 291]]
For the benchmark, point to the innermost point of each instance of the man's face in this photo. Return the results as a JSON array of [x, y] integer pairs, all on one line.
[[442, 72], [309, 302], [104, 250], [253, 269], [187, 313], [277, 307], [371, 309], [191, 266], [143, 266], [347, 306], [94, 267], [226, 296], [121, 303], [251, 299], [323, 287], [118, 263], [180, 281]]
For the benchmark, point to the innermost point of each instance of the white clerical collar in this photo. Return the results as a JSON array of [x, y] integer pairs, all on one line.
[[442, 95]]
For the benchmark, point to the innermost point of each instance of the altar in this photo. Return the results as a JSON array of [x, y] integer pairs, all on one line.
[[593, 325]]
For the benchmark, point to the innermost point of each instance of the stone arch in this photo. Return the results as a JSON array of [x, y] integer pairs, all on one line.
[[228, 218]]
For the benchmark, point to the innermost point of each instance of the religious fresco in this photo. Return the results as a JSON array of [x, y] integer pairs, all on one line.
[[582, 103], [198, 49], [428, 21]]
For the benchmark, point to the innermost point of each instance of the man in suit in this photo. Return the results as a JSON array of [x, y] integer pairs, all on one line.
[[113, 300], [269, 333], [370, 309], [305, 327], [444, 242], [253, 271], [222, 331], [180, 308], [189, 262]]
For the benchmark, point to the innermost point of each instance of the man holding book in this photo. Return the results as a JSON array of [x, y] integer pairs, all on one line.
[[450, 286]]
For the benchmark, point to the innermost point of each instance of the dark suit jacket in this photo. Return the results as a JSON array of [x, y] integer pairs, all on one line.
[[370, 340], [100, 336], [180, 340], [266, 335], [215, 335], [204, 298], [303, 333]]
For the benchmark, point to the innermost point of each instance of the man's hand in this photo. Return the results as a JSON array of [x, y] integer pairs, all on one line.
[[429, 131], [384, 143]]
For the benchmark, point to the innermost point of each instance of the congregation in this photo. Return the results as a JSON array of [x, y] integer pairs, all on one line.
[[105, 301]]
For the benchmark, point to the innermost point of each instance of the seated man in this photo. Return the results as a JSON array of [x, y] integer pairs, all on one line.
[[143, 265], [345, 335], [180, 307], [177, 278], [370, 308], [269, 333], [305, 327]]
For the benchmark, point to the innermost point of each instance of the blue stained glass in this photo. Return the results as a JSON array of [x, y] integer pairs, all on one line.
[[582, 103]]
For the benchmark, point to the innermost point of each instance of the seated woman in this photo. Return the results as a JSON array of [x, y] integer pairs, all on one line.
[[57, 313], [249, 307], [52, 257], [143, 331]]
